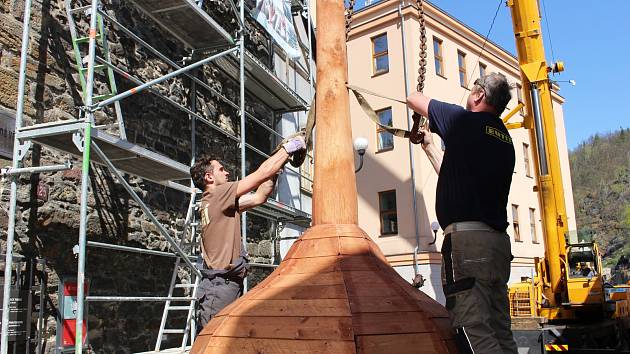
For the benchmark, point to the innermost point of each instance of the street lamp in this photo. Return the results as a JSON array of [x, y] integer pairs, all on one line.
[[360, 145], [435, 226]]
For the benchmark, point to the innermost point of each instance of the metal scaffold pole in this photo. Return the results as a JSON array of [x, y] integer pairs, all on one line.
[[17, 157], [85, 177], [241, 44]]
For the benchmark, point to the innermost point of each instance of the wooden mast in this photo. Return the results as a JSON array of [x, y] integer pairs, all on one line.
[[334, 291], [334, 187]]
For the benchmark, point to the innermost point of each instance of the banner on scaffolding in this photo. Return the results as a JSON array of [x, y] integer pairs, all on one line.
[[7, 133], [275, 16]]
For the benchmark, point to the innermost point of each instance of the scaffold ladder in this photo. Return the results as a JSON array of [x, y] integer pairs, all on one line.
[[83, 63], [189, 329]]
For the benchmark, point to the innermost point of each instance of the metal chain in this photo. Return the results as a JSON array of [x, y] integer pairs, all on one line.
[[422, 62], [422, 70], [349, 13]]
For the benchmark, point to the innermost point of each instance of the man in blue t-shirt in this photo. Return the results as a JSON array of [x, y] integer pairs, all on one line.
[[471, 205]]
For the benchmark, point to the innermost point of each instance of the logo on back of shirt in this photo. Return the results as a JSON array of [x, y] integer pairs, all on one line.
[[205, 216], [494, 132]]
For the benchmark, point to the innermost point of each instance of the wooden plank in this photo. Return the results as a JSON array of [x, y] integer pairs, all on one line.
[[223, 345], [372, 290], [300, 307], [376, 251], [212, 326], [328, 264], [292, 249], [336, 291], [286, 280], [367, 283], [317, 248], [366, 276], [391, 323], [200, 344], [355, 263], [334, 230], [330, 328], [433, 309], [415, 343], [310, 265], [354, 246], [426, 303], [382, 304]]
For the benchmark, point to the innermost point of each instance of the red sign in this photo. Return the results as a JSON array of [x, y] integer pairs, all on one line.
[[69, 311], [70, 332], [42, 191]]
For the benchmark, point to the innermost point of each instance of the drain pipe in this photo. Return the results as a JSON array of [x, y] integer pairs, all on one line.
[[417, 282]]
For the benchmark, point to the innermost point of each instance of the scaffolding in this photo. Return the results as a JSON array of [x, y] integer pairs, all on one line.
[[198, 32]]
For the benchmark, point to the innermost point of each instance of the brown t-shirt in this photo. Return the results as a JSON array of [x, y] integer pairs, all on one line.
[[221, 227]]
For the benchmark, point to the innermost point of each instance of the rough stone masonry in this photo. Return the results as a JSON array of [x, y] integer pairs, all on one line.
[[48, 227]]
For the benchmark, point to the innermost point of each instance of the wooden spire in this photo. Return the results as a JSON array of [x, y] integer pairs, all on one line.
[[334, 292], [334, 185]]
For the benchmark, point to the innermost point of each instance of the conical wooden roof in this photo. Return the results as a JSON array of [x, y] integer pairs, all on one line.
[[333, 293]]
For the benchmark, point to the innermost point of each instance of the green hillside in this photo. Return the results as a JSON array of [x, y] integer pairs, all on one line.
[[600, 171]]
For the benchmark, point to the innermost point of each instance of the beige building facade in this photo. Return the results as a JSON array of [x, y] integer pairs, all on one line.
[[383, 53]]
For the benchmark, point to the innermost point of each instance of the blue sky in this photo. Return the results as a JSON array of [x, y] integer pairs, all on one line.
[[591, 37]]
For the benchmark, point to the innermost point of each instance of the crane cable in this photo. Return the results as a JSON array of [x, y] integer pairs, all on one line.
[[483, 47]]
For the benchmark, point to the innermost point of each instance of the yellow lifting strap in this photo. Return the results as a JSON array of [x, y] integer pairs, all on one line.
[[418, 121], [415, 136]]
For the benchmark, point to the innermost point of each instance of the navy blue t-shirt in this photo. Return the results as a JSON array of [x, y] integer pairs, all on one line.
[[477, 167]]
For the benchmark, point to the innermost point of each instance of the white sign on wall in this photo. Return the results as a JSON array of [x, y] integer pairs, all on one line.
[[7, 133], [275, 16]]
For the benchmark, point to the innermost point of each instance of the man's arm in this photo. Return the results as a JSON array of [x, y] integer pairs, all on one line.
[[253, 200], [419, 103], [433, 152], [270, 167]]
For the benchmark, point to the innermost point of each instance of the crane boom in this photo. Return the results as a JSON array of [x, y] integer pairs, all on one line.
[[540, 121]]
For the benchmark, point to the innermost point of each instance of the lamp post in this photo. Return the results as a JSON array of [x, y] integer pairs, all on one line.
[[435, 226], [360, 145]]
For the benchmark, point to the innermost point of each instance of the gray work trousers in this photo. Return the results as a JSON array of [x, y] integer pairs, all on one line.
[[213, 295], [475, 272]]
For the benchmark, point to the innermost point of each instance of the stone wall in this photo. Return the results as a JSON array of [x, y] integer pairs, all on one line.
[[49, 228]]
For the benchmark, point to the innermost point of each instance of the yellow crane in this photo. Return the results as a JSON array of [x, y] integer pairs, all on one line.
[[568, 287]]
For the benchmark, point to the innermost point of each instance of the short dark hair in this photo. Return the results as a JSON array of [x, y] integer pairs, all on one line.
[[497, 89], [199, 169]]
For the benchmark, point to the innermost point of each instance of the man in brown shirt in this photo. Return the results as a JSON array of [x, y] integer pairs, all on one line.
[[221, 206]]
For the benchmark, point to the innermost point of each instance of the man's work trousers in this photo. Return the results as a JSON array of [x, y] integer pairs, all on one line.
[[215, 294], [475, 272]]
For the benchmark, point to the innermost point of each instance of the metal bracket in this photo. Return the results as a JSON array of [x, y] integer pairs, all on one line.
[[22, 149], [417, 281], [78, 140]]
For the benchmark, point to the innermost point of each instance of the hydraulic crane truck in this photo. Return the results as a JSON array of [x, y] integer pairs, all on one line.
[[565, 305]]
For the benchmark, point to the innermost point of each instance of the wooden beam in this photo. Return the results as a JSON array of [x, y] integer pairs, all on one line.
[[334, 187]]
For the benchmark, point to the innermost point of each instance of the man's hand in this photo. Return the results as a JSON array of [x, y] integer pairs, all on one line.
[[427, 137], [433, 152], [294, 144]]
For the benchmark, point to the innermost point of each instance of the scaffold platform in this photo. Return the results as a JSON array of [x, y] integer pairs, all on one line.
[[127, 157], [187, 22], [263, 84]]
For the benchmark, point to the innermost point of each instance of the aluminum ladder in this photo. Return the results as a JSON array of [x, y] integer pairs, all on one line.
[[189, 330]]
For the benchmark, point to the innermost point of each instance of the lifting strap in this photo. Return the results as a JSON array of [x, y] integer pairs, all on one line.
[[415, 136]]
